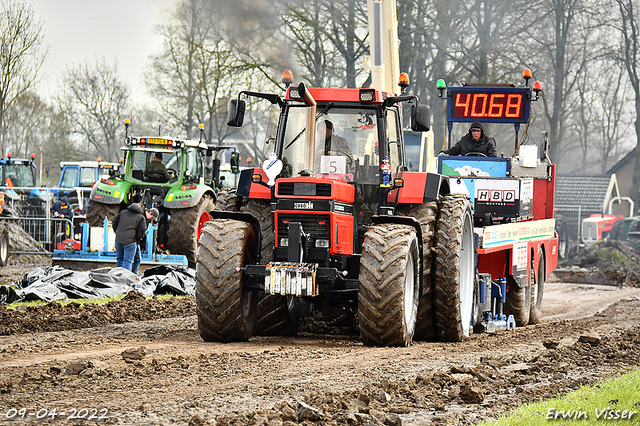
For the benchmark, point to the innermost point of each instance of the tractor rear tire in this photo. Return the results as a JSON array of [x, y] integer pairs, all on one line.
[[518, 304], [389, 285], [4, 244], [226, 313], [537, 291], [261, 210], [226, 200], [617, 230], [454, 269], [185, 226], [273, 317], [425, 214], [96, 212]]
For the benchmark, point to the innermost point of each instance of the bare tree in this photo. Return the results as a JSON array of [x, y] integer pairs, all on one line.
[[629, 28], [95, 102], [27, 121], [200, 69], [613, 119], [21, 55], [313, 51], [348, 33], [570, 40], [330, 40], [172, 76]]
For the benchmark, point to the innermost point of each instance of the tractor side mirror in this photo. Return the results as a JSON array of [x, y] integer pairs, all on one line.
[[235, 115], [420, 118], [235, 162], [215, 171]]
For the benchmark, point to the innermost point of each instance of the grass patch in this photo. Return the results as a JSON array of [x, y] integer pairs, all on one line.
[[612, 255], [16, 305], [615, 401]]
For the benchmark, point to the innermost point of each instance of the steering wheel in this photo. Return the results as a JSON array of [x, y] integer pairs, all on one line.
[[475, 154], [349, 158], [172, 172]]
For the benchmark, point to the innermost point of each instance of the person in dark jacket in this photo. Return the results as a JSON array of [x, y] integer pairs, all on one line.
[[129, 226], [151, 217], [474, 141], [61, 209]]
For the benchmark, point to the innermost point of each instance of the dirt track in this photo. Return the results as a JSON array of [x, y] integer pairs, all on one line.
[[160, 372]]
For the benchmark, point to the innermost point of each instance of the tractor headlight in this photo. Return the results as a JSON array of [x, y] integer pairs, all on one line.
[[284, 242], [322, 243]]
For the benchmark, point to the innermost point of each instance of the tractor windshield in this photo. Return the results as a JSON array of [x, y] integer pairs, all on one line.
[[344, 140], [18, 175], [141, 158]]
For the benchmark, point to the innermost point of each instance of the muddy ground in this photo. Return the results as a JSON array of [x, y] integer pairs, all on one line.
[[139, 361]]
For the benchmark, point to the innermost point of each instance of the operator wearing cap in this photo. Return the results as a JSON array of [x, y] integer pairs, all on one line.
[[156, 167], [474, 142]]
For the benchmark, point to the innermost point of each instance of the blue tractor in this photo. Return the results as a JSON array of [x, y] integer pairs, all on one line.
[[22, 197], [77, 179]]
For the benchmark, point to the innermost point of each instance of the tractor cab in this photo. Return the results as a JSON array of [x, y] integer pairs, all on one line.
[[341, 138], [78, 177]]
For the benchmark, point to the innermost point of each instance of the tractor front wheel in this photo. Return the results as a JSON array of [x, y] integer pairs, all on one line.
[[389, 285], [454, 269], [226, 312], [425, 214]]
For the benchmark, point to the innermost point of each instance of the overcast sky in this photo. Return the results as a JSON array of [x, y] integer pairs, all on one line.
[[78, 31]]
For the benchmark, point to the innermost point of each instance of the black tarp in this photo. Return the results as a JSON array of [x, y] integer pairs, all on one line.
[[56, 283]]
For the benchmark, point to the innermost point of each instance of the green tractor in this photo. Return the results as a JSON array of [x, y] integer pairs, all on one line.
[[183, 201]]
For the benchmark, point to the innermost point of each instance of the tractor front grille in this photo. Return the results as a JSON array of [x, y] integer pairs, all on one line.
[[589, 232], [315, 225], [304, 189]]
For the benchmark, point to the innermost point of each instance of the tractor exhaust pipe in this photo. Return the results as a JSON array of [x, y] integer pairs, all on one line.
[[311, 123]]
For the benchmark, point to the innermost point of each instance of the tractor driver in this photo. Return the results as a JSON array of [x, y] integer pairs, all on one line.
[[156, 171], [333, 144], [474, 142]]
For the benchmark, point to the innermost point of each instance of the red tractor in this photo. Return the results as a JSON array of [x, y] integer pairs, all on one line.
[[597, 227], [333, 221]]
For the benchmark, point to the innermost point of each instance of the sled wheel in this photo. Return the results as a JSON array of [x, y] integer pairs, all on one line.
[[537, 291]]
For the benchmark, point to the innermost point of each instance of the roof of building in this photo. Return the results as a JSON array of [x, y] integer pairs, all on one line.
[[591, 192], [623, 162]]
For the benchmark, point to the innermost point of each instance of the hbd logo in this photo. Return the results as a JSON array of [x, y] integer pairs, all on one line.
[[496, 195]]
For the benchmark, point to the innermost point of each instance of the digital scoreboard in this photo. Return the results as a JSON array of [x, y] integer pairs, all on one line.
[[488, 104]]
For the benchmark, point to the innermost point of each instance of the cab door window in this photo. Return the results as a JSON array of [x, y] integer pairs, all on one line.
[[195, 164], [87, 177], [70, 177], [393, 142]]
